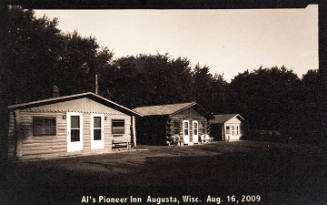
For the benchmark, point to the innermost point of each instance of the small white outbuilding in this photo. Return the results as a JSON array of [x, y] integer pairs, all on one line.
[[227, 127]]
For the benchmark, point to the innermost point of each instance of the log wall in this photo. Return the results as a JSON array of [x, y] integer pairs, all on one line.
[[191, 115]]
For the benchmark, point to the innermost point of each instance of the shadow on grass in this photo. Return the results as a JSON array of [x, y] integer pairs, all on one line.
[[281, 174]]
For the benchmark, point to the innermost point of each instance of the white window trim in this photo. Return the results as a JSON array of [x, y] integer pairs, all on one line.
[[111, 127], [196, 137], [186, 138], [74, 146], [97, 144]]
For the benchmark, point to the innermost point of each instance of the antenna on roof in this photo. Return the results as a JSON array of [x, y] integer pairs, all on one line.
[[96, 83], [55, 91]]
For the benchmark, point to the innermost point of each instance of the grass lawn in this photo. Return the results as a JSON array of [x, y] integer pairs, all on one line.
[[280, 173]]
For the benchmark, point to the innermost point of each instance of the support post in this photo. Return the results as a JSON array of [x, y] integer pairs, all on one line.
[[96, 84], [133, 131], [18, 134]]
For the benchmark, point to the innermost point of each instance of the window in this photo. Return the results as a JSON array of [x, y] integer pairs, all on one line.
[[236, 129], [195, 128], [118, 127], [75, 128], [203, 127], [97, 128], [44, 126], [186, 128], [176, 127]]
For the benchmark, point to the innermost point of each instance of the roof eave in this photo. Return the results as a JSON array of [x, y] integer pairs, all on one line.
[[62, 98]]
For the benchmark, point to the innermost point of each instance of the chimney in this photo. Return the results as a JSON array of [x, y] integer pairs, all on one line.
[[55, 91], [96, 84]]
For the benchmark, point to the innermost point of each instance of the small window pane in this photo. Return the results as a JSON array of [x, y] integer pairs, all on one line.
[[118, 126], [97, 134], [185, 128], [44, 126], [195, 128], [118, 123], [74, 121], [185, 131], [176, 127], [186, 125], [75, 136], [97, 122], [118, 130]]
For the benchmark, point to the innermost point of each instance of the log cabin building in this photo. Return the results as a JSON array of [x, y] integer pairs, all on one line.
[[187, 120], [78, 124]]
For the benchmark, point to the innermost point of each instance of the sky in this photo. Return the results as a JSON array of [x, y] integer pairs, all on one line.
[[228, 41]]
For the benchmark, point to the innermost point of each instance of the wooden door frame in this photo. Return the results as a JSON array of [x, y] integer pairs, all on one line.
[[197, 128], [97, 144], [74, 146], [188, 131]]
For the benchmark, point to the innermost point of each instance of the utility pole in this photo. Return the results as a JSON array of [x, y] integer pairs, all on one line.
[[96, 84]]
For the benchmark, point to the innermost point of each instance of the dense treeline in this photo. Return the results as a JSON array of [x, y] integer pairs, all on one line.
[[39, 56]]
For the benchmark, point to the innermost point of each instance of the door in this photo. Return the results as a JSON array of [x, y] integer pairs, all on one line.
[[195, 132], [186, 131], [227, 133], [74, 131], [97, 128]]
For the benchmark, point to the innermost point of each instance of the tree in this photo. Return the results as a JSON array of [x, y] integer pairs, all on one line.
[[209, 90], [266, 97], [307, 115], [151, 79], [81, 60], [32, 52], [39, 56]]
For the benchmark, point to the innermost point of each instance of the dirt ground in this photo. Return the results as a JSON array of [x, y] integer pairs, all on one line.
[[279, 173]]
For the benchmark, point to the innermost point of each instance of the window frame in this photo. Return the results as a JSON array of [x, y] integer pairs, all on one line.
[[177, 129], [34, 118], [97, 143], [197, 127], [203, 127], [93, 128], [186, 128], [112, 127], [73, 146]]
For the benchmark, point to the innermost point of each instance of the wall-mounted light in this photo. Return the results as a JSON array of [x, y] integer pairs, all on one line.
[[105, 118], [64, 117]]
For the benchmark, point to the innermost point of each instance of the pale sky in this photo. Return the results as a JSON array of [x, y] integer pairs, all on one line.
[[228, 41]]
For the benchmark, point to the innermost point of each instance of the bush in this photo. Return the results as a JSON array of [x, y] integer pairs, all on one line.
[[173, 139]]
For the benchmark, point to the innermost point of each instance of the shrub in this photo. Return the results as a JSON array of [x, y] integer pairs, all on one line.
[[173, 139]]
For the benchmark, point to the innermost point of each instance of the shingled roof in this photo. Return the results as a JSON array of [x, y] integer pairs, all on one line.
[[163, 109], [224, 117], [71, 97]]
